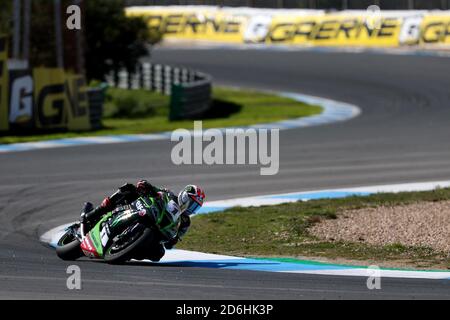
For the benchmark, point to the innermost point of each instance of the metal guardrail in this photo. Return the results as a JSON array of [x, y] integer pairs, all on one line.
[[190, 90]]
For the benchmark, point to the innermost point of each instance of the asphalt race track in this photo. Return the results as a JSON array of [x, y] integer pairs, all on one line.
[[403, 135]]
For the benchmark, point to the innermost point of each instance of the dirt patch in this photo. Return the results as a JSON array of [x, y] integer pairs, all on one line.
[[425, 224]]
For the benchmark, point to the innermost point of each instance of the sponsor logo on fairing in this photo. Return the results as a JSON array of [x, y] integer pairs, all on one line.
[[139, 205], [88, 247]]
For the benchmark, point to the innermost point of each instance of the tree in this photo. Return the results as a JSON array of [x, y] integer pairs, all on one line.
[[5, 16], [113, 40]]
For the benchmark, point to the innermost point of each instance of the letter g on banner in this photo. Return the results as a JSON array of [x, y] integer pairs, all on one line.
[[410, 31], [257, 29], [21, 107], [50, 98]]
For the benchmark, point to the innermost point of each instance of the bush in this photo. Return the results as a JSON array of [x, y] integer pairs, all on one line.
[[122, 103]]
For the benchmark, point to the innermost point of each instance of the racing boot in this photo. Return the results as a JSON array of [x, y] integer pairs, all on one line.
[[87, 207], [156, 253]]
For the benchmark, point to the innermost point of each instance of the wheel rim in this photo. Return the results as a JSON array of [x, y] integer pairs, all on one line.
[[66, 239], [118, 246]]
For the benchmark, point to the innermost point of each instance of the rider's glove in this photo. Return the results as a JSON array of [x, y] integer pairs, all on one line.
[[144, 187], [107, 204]]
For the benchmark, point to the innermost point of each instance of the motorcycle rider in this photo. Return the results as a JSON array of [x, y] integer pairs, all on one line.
[[190, 199]]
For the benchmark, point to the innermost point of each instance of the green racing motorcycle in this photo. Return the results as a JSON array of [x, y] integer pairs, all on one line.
[[128, 232]]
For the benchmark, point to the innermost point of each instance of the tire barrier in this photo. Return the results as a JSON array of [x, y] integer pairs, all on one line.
[[190, 100], [385, 28], [190, 90], [96, 98]]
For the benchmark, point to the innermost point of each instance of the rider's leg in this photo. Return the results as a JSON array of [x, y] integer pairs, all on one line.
[[93, 216], [125, 194], [90, 216]]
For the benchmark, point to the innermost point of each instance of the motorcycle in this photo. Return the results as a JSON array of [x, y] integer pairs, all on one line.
[[128, 232]]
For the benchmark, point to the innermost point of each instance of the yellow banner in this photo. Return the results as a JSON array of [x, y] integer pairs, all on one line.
[[78, 103], [335, 30], [273, 27], [60, 100], [299, 27], [198, 25], [4, 122], [435, 29], [49, 98]]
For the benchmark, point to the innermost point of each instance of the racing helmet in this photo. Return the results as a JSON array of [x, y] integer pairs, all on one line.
[[190, 199]]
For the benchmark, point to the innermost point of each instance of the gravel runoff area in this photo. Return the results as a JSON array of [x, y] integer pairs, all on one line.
[[424, 224]]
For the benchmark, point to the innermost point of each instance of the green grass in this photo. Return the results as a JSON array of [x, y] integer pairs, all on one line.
[[140, 111], [282, 231]]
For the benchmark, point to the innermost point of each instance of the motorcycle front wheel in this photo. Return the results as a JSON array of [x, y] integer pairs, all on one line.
[[68, 247], [122, 250]]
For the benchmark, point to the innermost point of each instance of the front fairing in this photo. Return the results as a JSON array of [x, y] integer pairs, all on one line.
[[112, 224], [162, 219], [92, 243], [144, 209]]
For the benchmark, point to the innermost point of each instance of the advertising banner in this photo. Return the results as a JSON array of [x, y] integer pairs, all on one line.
[[42, 98], [299, 27], [196, 25], [60, 100], [435, 29], [335, 30], [20, 98], [78, 103]]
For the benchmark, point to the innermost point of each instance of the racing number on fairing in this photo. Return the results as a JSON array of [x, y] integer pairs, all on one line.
[[104, 236]]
